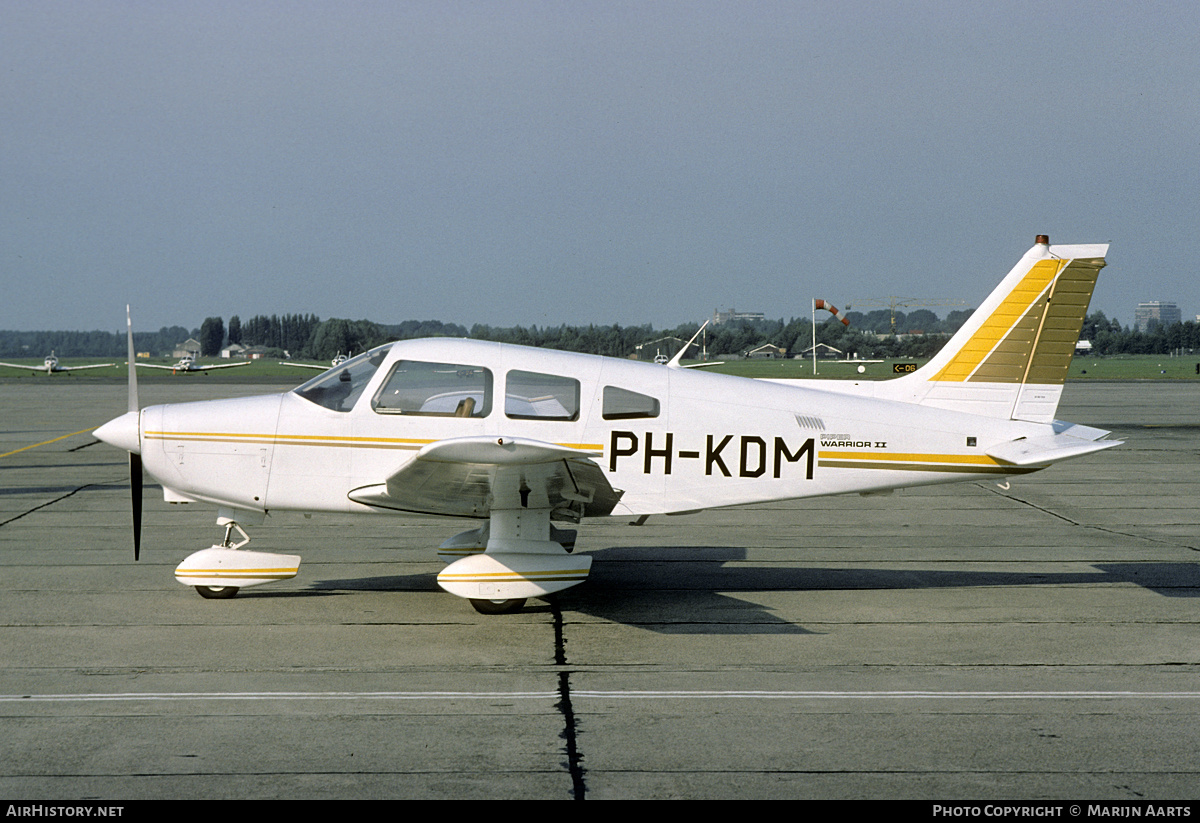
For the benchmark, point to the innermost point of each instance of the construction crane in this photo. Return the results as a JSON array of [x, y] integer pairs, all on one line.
[[892, 303]]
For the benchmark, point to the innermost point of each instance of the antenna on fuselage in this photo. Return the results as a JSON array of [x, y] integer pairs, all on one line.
[[676, 362]]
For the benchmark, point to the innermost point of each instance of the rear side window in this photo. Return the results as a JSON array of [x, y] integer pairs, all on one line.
[[622, 404], [533, 396], [435, 390]]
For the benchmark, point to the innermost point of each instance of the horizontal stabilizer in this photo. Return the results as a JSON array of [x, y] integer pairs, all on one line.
[[1042, 451]]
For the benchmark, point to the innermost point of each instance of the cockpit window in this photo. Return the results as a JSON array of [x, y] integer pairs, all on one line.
[[340, 387], [435, 389]]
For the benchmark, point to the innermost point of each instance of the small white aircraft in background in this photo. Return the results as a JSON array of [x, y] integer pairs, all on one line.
[[50, 366], [187, 363], [338, 360], [519, 439], [854, 361]]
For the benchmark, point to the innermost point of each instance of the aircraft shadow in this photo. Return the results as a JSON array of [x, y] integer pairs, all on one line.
[[688, 590]]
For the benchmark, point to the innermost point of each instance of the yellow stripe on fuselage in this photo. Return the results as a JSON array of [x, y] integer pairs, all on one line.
[[330, 441], [955, 463]]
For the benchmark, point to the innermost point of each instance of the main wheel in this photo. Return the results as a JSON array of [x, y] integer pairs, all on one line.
[[498, 606], [217, 592]]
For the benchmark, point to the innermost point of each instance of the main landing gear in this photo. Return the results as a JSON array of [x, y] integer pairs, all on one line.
[[217, 592], [516, 555]]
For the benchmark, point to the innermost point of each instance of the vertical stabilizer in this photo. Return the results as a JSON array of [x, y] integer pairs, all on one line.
[[1010, 359]]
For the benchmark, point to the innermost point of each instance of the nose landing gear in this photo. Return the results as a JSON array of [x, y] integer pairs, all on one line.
[[221, 571]]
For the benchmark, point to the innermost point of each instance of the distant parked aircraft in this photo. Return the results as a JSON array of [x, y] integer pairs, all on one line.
[[188, 363], [50, 365], [337, 361]]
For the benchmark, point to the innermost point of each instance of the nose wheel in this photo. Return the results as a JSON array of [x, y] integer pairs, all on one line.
[[211, 570]]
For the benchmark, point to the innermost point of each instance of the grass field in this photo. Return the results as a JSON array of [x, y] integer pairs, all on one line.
[[1122, 367]]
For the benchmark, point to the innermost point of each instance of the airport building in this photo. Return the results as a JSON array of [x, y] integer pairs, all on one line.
[[1156, 313]]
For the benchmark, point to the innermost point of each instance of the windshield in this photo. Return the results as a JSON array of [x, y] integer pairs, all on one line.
[[339, 388]]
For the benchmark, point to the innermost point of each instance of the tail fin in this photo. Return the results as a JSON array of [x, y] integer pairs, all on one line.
[[1010, 359]]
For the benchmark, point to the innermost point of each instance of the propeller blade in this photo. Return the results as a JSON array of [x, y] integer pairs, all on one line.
[[135, 490], [135, 460], [133, 391]]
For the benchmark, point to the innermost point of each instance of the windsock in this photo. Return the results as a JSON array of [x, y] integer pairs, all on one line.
[[821, 304]]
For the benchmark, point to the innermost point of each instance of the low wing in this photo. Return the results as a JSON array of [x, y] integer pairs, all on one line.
[[192, 368], [28, 368], [80, 368], [219, 366], [470, 476], [305, 365]]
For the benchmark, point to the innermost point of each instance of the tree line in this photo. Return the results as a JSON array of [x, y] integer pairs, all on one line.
[[89, 343], [918, 334], [1110, 337]]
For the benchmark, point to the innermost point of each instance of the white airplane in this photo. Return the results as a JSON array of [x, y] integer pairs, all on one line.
[[338, 360], [187, 363], [855, 361], [520, 439], [50, 365]]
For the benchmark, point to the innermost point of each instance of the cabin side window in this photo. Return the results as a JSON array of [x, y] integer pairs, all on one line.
[[339, 388], [622, 404], [533, 396], [435, 390]]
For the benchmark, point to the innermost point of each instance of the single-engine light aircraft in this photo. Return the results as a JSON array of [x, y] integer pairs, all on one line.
[[51, 366], [338, 360], [521, 439], [187, 363]]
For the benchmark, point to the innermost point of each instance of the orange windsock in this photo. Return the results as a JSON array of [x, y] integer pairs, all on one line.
[[821, 304]]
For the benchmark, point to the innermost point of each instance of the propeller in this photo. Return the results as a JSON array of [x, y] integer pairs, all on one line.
[[135, 458], [135, 489], [125, 433]]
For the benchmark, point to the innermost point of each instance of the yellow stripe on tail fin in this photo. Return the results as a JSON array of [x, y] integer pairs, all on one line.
[[1010, 358]]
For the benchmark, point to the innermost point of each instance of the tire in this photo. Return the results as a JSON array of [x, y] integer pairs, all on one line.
[[498, 606], [217, 592]]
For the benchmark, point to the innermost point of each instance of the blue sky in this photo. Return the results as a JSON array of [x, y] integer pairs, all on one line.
[[579, 162]]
